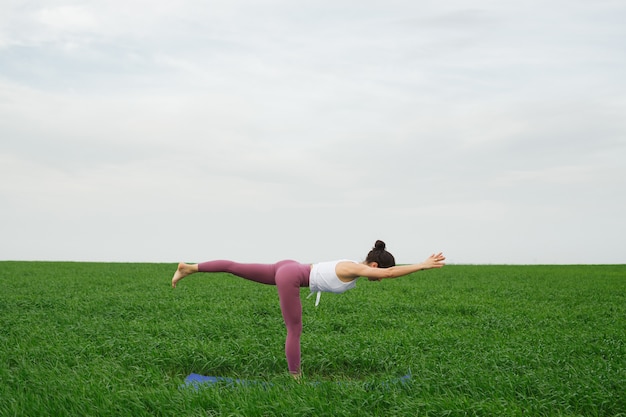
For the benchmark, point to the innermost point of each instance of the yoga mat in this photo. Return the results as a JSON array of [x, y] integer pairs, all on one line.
[[197, 381]]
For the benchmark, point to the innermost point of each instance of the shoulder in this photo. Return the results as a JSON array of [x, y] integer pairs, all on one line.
[[349, 270]]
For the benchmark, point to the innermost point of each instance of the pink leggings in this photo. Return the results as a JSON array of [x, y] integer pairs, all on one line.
[[288, 276]]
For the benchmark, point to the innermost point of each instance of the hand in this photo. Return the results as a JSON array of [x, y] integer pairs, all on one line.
[[434, 261]]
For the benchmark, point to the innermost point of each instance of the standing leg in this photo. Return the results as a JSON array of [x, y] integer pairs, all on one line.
[[288, 283]]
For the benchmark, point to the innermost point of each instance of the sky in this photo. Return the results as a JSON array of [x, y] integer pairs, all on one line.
[[166, 131]]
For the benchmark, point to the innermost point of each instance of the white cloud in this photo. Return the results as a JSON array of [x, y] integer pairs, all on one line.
[[579, 175], [276, 125], [67, 18]]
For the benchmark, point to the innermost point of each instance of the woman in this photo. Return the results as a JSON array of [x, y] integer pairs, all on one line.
[[289, 276]]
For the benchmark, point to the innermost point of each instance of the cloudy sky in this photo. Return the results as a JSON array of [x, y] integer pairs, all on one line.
[[159, 131]]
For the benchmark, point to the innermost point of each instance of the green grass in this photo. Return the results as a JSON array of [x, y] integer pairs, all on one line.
[[92, 339]]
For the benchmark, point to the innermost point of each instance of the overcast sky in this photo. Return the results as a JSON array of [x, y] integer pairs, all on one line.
[[159, 131]]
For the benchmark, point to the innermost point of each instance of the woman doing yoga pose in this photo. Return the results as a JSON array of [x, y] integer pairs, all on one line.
[[288, 276]]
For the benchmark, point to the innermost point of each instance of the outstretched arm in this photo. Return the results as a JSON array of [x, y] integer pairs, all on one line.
[[350, 270]]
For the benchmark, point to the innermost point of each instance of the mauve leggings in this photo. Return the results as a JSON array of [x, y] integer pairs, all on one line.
[[288, 276]]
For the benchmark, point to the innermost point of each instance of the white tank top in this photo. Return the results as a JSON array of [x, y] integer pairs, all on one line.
[[323, 278]]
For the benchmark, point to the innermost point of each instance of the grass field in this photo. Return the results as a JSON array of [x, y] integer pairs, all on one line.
[[95, 339]]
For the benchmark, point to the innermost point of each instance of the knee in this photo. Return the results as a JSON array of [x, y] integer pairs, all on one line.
[[293, 321], [294, 329]]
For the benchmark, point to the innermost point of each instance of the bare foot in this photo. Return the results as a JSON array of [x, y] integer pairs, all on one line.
[[297, 377], [182, 271]]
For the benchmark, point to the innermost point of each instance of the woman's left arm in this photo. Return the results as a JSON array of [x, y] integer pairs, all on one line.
[[350, 270]]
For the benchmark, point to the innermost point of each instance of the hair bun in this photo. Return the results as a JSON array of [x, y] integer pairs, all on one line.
[[379, 245]]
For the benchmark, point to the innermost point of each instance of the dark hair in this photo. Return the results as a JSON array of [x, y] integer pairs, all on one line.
[[379, 255]]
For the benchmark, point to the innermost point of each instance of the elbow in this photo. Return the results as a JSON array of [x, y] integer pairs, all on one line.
[[389, 273]]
